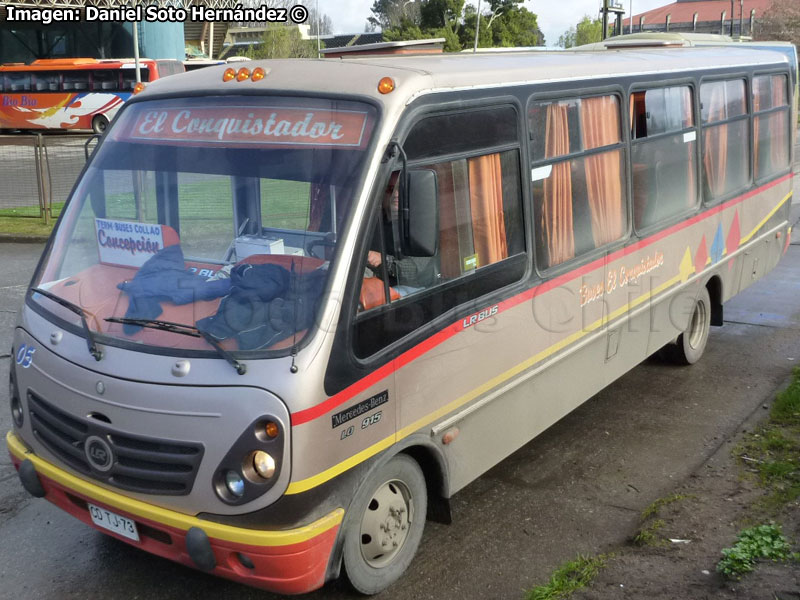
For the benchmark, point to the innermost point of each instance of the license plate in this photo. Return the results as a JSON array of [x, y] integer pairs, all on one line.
[[113, 522]]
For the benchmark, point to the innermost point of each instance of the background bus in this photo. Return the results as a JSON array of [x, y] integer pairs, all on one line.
[[73, 93]]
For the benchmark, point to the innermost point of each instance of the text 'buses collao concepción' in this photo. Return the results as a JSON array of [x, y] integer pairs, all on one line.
[[290, 309]]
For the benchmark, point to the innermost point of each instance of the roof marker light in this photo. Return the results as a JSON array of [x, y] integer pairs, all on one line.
[[229, 74], [386, 85], [138, 87], [242, 74], [258, 74]]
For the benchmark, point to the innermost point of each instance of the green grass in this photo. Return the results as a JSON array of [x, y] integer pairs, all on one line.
[[656, 506], [27, 221], [648, 534], [569, 578], [763, 542], [773, 449]]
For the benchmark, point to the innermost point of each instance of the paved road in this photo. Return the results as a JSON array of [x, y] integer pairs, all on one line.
[[578, 488]]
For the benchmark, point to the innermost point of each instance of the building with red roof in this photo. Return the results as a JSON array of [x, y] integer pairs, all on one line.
[[702, 16]]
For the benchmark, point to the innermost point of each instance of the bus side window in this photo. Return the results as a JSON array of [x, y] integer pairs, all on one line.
[[770, 125], [726, 138], [473, 159], [105, 80], [76, 81], [578, 187], [663, 154]]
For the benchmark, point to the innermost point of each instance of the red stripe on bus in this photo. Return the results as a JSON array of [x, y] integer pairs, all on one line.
[[309, 414]]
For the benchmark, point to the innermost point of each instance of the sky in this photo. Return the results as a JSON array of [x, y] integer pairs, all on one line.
[[555, 16]]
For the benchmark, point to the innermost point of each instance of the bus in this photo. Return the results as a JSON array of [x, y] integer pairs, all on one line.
[[291, 308], [72, 93]]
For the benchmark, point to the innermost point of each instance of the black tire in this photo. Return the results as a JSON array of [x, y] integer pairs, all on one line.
[[691, 344], [100, 124], [377, 548]]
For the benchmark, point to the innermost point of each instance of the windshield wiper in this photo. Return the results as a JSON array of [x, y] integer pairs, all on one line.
[[182, 329], [90, 341]]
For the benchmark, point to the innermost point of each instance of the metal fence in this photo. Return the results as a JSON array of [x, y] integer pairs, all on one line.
[[37, 173]]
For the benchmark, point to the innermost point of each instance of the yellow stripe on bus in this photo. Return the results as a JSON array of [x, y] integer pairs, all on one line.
[[140, 509], [763, 222]]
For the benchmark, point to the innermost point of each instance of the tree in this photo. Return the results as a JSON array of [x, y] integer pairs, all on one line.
[[388, 14], [507, 24], [587, 31], [503, 23], [282, 41], [781, 22]]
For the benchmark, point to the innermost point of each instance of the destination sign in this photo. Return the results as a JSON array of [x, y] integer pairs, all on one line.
[[259, 125]]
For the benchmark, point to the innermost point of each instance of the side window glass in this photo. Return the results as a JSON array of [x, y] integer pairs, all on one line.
[[663, 154], [76, 81], [726, 138], [470, 244], [105, 80], [771, 125], [577, 174]]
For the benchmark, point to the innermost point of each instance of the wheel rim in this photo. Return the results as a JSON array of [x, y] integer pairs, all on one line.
[[698, 326], [386, 522]]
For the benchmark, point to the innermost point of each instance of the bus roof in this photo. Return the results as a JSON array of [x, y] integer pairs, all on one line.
[[415, 75]]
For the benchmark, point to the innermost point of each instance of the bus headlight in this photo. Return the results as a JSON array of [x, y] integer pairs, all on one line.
[[264, 464], [253, 464], [235, 483]]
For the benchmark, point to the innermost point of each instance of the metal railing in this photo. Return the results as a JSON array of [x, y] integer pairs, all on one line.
[[37, 173]]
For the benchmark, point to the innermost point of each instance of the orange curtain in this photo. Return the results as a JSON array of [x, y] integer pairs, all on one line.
[[758, 87], [779, 147], [486, 202], [556, 217], [450, 263], [715, 142], [600, 127], [688, 119]]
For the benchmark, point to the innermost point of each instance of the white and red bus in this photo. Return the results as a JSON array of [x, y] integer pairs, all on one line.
[[72, 93]]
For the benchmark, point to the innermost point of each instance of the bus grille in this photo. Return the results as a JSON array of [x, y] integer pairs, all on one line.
[[140, 464]]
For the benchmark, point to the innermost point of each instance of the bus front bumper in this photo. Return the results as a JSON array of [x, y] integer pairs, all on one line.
[[288, 562]]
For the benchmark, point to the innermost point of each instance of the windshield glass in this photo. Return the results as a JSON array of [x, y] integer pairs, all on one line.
[[218, 213]]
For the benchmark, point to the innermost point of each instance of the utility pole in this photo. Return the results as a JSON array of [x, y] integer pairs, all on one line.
[[732, 17], [605, 19], [477, 28], [630, 28]]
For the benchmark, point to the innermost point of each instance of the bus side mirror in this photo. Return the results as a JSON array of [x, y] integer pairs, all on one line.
[[420, 213]]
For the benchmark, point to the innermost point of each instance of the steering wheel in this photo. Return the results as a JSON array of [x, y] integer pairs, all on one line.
[[328, 241]]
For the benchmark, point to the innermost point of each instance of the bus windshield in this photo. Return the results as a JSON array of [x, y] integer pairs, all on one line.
[[221, 214]]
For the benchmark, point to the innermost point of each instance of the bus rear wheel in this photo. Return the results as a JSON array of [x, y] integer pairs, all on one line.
[[99, 123], [691, 344], [384, 525]]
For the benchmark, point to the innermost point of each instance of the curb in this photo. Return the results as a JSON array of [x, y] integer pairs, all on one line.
[[12, 238]]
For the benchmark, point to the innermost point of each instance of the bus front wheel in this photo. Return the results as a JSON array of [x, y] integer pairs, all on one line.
[[99, 124], [384, 525], [691, 344]]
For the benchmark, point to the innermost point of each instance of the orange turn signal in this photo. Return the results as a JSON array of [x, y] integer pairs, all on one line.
[[242, 74], [138, 87], [229, 74], [258, 74], [386, 85], [271, 430]]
